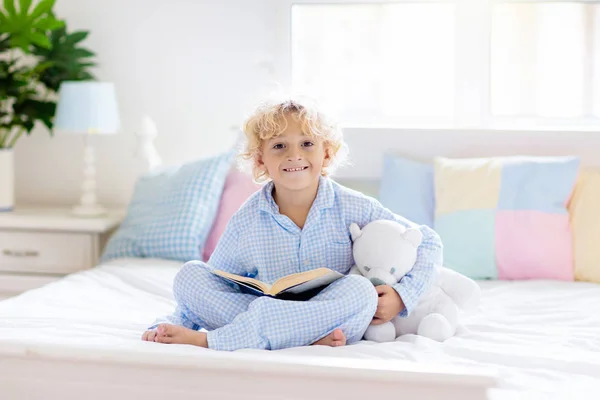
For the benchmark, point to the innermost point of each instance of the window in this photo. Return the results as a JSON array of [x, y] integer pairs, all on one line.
[[544, 58], [376, 62], [461, 63]]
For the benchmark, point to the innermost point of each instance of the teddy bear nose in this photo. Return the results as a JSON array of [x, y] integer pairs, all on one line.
[[377, 281]]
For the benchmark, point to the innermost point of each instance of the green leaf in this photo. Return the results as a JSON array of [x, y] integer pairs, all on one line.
[[29, 124], [9, 6], [24, 6], [20, 42], [86, 76], [43, 7], [49, 122], [58, 33], [70, 62], [42, 66], [25, 29], [49, 24], [3, 20], [5, 44], [86, 65], [27, 93], [59, 56], [13, 86], [40, 40], [76, 37], [82, 53], [35, 109]]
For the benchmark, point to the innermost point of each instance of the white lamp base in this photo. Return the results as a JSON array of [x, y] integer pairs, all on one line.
[[87, 206], [89, 211]]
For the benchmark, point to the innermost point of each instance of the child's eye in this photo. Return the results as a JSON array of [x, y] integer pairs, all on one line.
[[278, 146], [308, 144]]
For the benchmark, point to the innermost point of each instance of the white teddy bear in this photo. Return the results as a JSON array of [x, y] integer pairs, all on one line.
[[384, 251]]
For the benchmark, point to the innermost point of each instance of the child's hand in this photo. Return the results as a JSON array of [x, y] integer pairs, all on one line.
[[388, 306], [149, 335]]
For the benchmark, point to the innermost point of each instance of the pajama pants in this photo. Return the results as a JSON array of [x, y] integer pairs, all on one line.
[[236, 320]]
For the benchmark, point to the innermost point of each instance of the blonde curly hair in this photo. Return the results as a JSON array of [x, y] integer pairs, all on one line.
[[268, 121]]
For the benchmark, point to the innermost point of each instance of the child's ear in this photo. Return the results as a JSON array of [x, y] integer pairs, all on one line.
[[327, 157], [258, 161]]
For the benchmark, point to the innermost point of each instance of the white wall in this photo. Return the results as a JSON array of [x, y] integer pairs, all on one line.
[[190, 64]]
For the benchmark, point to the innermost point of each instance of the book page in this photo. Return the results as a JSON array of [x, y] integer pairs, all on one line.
[[303, 281]]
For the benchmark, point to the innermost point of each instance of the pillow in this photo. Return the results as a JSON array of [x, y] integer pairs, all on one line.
[[407, 189], [506, 218], [238, 187], [585, 219], [171, 212]]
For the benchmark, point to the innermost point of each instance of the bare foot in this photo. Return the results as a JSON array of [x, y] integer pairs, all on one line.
[[334, 339], [166, 333]]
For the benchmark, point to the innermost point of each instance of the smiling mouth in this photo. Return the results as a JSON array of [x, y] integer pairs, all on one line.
[[295, 169]]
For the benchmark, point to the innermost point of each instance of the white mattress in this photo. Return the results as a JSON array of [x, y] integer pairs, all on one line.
[[542, 337]]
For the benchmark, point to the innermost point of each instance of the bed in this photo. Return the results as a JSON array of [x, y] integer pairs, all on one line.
[[80, 338]]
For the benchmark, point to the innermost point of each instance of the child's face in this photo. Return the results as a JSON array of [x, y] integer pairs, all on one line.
[[293, 160]]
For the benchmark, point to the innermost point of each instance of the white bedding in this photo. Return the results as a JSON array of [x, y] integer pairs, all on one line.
[[542, 337]]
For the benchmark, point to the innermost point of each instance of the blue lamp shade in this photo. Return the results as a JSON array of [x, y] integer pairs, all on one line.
[[87, 107]]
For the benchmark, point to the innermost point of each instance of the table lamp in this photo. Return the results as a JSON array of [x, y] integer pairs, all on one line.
[[87, 108]]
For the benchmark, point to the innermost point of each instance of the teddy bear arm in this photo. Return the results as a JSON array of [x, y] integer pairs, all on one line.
[[463, 290]]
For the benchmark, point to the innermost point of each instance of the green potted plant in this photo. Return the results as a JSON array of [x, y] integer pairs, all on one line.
[[37, 54]]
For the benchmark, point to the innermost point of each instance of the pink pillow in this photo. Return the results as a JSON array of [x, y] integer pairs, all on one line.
[[238, 187]]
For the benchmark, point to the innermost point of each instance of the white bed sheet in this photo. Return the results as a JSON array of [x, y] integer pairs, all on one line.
[[542, 337]]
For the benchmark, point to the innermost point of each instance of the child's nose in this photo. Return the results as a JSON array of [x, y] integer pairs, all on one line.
[[294, 154]]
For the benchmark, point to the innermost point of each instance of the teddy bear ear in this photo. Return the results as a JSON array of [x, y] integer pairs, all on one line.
[[414, 236], [355, 231]]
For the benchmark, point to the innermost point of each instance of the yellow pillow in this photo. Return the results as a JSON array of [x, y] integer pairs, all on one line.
[[584, 209]]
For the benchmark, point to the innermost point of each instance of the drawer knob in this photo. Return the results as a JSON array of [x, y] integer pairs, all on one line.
[[24, 253]]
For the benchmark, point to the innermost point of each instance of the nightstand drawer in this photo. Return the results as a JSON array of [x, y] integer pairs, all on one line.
[[41, 252]]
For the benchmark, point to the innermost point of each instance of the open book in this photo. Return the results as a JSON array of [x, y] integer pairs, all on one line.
[[300, 286]]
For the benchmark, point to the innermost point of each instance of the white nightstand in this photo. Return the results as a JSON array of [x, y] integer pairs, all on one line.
[[39, 245]]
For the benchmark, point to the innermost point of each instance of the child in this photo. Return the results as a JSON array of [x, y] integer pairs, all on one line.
[[297, 222]]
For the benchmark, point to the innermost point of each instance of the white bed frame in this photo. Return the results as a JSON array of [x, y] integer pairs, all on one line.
[[60, 372], [57, 372]]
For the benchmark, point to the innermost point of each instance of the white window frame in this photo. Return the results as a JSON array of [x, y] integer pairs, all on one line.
[[473, 41]]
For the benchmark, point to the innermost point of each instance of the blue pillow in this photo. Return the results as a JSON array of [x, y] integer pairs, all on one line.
[[171, 212], [407, 189]]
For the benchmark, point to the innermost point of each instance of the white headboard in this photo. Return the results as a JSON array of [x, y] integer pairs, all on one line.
[[368, 146]]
